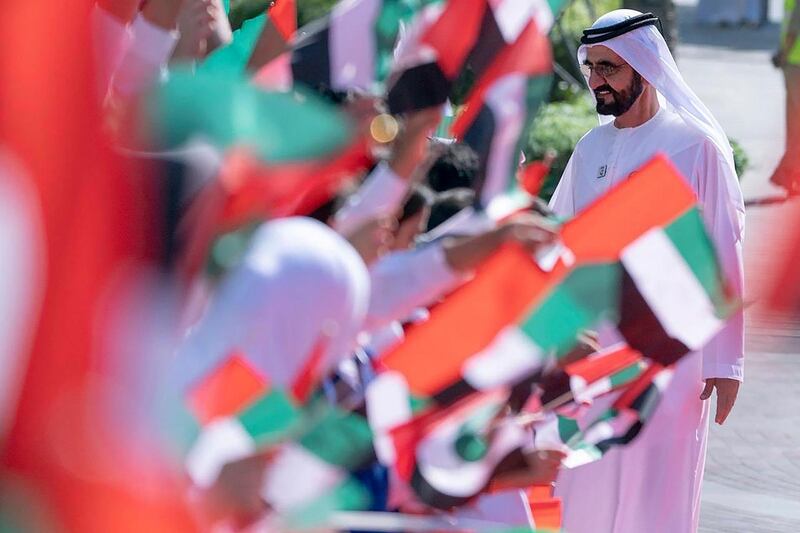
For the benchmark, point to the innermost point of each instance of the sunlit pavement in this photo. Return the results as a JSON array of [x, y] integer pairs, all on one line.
[[752, 481]]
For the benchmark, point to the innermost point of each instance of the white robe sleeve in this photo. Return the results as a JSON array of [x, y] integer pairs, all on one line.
[[145, 59], [381, 194], [562, 202], [723, 212], [404, 281], [110, 38]]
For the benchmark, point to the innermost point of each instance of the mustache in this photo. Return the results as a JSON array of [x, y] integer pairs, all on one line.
[[606, 88]]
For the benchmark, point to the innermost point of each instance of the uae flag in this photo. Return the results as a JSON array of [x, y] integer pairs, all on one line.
[[638, 257], [351, 48], [585, 441], [432, 53], [501, 107], [312, 445], [580, 382], [445, 40], [283, 155], [449, 456]]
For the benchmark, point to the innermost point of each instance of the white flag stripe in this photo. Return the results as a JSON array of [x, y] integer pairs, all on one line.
[[671, 289], [506, 100], [544, 16], [296, 477], [388, 405], [585, 392], [512, 16], [510, 355], [547, 436], [447, 472], [22, 283], [221, 442], [352, 58]]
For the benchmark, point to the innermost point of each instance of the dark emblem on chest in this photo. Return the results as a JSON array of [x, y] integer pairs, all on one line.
[[601, 172]]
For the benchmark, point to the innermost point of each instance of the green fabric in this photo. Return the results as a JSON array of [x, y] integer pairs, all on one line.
[[625, 375], [229, 111], [537, 93], [270, 419], [588, 293], [233, 59], [689, 236], [471, 447], [567, 428], [339, 438]]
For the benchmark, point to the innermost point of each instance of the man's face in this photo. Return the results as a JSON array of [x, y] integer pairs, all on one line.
[[615, 84]]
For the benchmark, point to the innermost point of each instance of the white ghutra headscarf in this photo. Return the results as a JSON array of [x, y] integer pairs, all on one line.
[[645, 50]]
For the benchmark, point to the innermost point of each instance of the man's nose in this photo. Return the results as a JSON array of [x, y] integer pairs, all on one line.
[[595, 80]]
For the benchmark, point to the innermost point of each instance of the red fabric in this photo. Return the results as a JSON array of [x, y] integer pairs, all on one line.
[[594, 368], [530, 55], [532, 177], [227, 390], [453, 34], [784, 294], [284, 17], [545, 508], [96, 223]]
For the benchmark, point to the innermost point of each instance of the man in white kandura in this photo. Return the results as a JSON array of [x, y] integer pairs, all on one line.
[[653, 484]]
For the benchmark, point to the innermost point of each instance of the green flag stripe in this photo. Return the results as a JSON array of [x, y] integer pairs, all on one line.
[[271, 418], [567, 428], [625, 375], [537, 93], [690, 238], [229, 111], [588, 293], [339, 438]]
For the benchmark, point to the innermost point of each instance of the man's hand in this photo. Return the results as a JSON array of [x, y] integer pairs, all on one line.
[[530, 230], [727, 389], [542, 469]]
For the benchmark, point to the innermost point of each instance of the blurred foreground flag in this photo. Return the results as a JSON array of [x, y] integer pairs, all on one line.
[[351, 48], [74, 447], [784, 291], [230, 112]]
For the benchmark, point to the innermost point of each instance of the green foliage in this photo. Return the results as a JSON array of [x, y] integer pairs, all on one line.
[[565, 36], [559, 126], [740, 159], [309, 10]]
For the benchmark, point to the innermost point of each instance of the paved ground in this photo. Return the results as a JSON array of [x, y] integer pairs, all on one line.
[[753, 469]]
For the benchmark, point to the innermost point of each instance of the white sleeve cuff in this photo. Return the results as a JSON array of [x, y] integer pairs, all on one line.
[[110, 38], [148, 54], [381, 194], [723, 371]]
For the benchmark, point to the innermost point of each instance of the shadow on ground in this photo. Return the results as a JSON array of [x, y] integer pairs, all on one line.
[[733, 38]]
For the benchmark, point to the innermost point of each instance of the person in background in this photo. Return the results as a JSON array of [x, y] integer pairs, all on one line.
[[653, 483], [787, 58]]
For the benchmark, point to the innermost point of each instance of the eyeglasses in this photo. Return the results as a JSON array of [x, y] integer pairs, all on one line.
[[604, 70]]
